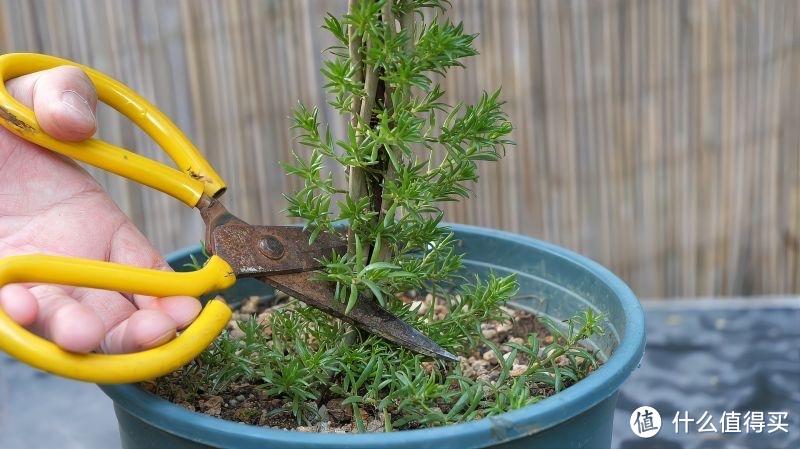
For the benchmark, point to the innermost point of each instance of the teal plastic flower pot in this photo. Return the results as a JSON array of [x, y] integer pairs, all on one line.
[[553, 281]]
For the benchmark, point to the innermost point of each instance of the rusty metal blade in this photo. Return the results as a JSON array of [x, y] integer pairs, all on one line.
[[367, 315], [264, 250], [283, 257]]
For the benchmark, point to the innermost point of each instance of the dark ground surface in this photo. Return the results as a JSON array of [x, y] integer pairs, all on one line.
[[715, 356], [702, 356]]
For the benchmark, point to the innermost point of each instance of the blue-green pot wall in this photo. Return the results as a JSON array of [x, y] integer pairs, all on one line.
[[553, 281]]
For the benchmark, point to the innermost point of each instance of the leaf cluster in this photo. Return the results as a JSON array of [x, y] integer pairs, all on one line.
[[299, 355], [416, 151]]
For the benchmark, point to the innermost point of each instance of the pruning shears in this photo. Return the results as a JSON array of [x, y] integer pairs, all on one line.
[[280, 256]]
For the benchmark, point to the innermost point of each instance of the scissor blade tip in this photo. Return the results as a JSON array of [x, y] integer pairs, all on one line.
[[421, 343], [445, 355]]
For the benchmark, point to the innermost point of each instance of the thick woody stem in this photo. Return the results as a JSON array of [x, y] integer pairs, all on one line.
[[391, 172], [406, 24], [357, 183], [356, 179]]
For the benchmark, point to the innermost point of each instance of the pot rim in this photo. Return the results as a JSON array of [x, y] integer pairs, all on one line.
[[531, 419]]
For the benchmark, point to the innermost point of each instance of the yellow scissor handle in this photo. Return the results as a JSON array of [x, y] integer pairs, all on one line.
[[122, 368], [196, 176], [195, 179]]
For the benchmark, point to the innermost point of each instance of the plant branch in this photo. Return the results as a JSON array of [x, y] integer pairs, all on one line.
[[357, 183], [384, 247], [354, 51]]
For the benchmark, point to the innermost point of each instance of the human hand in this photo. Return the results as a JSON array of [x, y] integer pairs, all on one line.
[[49, 204]]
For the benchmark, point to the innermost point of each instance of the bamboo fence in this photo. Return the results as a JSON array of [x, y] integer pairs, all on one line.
[[661, 138]]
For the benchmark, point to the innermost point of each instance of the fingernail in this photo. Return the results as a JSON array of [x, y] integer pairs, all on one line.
[[78, 106]]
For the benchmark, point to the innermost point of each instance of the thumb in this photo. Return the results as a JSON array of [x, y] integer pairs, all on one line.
[[63, 99]]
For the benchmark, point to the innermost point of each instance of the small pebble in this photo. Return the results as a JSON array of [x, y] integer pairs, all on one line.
[[339, 412], [323, 415], [374, 425], [250, 305], [240, 398], [440, 311], [518, 370], [235, 332], [479, 367], [420, 306], [502, 328], [263, 318]]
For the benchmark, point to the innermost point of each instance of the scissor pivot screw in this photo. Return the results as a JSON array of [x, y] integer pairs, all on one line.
[[271, 247]]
